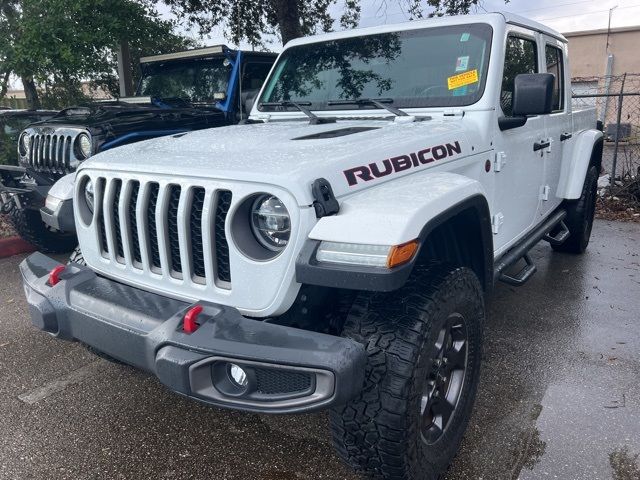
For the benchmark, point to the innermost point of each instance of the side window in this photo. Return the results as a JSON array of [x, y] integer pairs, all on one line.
[[254, 75], [555, 67], [520, 57]]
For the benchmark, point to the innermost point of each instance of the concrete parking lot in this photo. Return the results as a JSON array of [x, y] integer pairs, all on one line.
[[559, 395]]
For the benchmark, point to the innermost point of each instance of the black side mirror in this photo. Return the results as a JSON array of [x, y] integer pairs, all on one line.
[[533, 94]]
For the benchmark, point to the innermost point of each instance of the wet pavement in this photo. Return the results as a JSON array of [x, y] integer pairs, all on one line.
[[559, 395]]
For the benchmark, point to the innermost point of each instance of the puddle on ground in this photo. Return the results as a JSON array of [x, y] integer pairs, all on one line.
[[530, 447]]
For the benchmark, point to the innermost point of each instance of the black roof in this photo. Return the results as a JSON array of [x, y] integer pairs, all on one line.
[[25, 113]]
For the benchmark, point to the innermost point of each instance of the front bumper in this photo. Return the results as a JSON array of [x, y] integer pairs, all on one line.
[[26, 195], [288, 370]]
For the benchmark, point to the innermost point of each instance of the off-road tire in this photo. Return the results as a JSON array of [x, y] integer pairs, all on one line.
[[580, 215], [29, 225], [77, 257], [379, 433]]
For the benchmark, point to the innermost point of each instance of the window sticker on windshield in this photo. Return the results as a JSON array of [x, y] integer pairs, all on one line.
[[460, 92], [465, 37], [462, 64], [462, 79]]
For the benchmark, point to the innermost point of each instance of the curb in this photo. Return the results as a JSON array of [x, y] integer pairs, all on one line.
[[13, 246]]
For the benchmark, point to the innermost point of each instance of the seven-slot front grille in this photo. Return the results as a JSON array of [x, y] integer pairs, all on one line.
[[163, 228], [51, 153]]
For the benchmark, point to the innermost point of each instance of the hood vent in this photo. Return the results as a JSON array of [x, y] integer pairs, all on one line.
[[341, 132]]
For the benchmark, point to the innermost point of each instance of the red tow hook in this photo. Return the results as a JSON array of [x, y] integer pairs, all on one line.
[[190, 318], [54, 275]]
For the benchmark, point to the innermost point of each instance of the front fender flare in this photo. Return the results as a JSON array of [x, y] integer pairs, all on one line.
[[64, 187], [395, 212], [392, 214], [58, 209]]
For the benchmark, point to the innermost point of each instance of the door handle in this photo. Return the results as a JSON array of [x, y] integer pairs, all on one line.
[[541, 145], [565, 136]]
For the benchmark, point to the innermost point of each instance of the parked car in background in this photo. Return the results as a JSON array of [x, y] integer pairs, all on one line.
[[177, 93], [12, 122]]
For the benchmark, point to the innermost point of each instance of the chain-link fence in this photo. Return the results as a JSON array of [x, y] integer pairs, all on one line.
[[617, 101]]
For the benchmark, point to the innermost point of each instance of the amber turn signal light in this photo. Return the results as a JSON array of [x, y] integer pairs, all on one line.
[[401, 254]]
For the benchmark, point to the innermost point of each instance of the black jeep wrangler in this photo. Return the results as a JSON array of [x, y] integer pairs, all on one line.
[[177, 93]]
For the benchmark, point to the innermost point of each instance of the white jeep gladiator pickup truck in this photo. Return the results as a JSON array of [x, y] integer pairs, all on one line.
[[336, 251]]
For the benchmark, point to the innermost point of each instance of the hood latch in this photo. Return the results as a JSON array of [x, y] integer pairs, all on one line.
[[325, 202]]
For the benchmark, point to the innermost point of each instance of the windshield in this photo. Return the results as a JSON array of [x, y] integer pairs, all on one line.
[[12, 126], [435, 67], [197, 81]]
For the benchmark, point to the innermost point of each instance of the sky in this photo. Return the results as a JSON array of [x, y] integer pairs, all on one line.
[[563, 15]]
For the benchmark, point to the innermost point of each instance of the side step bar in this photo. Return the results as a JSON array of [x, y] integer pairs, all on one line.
[[521, 251], [523, 275], [559, 237]]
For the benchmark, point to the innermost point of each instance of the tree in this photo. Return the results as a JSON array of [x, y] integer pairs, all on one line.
[[452, 7], [58, 44], [249, 19], [8, 15]]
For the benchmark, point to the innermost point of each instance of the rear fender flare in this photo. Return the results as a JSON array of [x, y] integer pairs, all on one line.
[[574, 169]]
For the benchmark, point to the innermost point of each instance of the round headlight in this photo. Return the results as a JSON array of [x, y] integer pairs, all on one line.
[[89, 195], [24, 143], [270, 222], [84, 145]]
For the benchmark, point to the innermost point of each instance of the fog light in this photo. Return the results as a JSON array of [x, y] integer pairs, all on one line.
[[238, 375]]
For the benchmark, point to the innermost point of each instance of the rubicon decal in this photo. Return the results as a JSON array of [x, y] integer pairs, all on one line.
[[366, 173]]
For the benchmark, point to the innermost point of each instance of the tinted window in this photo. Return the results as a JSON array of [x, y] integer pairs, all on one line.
[[555, 67], [254, 74], [521, 56], [444, 66]]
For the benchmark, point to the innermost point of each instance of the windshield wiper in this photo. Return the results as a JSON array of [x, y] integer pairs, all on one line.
[[378, 102], [302, 106]]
